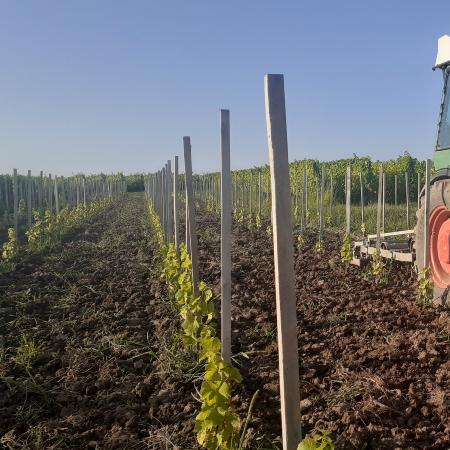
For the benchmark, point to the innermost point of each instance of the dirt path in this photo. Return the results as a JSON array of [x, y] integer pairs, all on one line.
[[83, 332]]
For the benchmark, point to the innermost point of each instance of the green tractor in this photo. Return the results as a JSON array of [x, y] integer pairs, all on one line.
[[438, 231]]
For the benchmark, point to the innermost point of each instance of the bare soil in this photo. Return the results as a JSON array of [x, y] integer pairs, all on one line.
[[111, 373]]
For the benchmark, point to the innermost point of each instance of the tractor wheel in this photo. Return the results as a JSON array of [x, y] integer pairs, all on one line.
[[439, 238]]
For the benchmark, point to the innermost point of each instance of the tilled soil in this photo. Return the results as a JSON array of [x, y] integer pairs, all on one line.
[[88, 351], [110, 371], [375, 363]]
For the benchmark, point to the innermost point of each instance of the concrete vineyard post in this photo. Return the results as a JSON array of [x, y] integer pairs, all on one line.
[[380, 199], [175, 204], [188, 234], [322, 187], [169, 202], [191, 212], [426, 225], [29, 194], [84, 191], [225, 241], [16, 203], [284, 261], [407, 199], [164, 202], [50, 193], [348, 198]]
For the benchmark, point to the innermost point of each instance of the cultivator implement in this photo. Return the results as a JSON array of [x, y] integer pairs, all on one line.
[[390, 247]]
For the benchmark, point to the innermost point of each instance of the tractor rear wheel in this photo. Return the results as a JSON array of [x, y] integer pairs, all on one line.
[[439, 238]]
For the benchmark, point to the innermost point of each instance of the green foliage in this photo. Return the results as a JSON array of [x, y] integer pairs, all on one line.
[[425, 287], [27, 352], [11, 246], [258, 222], [47, 232], [346, 249], [319, 246], [377, 267], [300, 241], [217, 424], [316, 442], [156, 228]]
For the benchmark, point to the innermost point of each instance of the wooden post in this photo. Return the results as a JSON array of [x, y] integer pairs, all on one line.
[[29, 205], [379, 205], [175, 204], [362, 197], [407, 199], [284, 261], [348, 198], [225, 241], [191, 212], [426, 225], [16, 203]]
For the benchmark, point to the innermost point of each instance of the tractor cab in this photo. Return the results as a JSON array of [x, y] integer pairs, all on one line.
[[442, 154]]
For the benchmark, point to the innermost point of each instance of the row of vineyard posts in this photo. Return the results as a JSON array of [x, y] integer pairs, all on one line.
[[20, 195], [286, 196]]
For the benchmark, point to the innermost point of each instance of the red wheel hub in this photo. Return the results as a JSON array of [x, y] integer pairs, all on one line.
[[440, 246]]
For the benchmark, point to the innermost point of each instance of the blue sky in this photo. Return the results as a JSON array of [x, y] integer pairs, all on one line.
[[93, 85]]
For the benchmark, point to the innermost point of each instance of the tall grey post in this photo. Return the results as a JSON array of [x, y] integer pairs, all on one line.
[[225, 241], [379, 206], [169, 202], [284, 261], [348, 198], [175, 204], [16, 203], [191, 212], [29, 194]]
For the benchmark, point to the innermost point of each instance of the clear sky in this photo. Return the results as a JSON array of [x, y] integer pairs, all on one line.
[[96, 85]]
